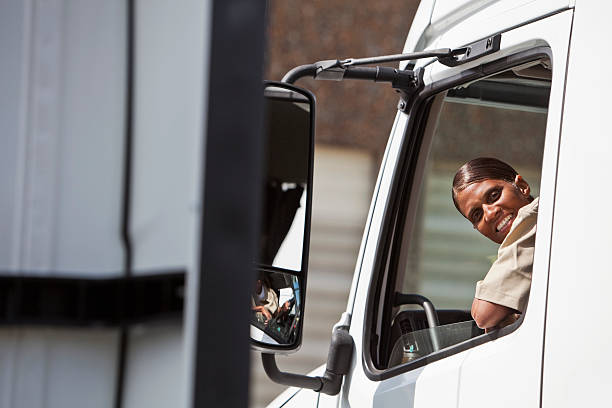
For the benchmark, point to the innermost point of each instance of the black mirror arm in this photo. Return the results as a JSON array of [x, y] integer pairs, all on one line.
[[335, 70], [338, 365], [308, 70], [290, 379], [406, 81]]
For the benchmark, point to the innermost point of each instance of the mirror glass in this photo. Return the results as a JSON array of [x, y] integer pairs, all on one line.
[[276, 308], [288, 131], [277, 297]]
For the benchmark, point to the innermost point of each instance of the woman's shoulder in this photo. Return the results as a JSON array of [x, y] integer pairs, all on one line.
[[529, 209], [524, 225]]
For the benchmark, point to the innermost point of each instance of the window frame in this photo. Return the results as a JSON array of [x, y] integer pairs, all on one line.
[[383, 282]]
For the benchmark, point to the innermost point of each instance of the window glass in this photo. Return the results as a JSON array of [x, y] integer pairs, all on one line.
[[419, 343], [447, 255], [503, 116]]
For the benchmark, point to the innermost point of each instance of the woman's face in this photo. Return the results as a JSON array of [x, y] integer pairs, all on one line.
[[492, 205]]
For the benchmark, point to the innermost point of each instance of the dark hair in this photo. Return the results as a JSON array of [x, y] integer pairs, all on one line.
[[480, 169]]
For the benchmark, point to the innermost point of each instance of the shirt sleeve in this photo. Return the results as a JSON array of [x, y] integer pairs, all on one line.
[[271, 301], [509, 280]]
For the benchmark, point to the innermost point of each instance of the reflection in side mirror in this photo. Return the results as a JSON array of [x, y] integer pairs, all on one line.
[[288, 130], [276, 309], [285, 232]]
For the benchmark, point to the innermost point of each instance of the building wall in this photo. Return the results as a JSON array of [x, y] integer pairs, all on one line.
[[354, 114]]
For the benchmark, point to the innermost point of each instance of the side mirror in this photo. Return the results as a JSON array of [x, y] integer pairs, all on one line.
[[277, 299]]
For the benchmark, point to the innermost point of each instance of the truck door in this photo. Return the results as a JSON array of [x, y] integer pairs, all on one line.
[[505, 104]]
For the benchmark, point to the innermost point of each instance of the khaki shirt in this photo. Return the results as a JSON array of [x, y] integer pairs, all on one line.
[[270, 302], [508, 281]]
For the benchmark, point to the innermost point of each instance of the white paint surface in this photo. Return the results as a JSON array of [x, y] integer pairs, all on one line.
[[478, 18], [579, 301]]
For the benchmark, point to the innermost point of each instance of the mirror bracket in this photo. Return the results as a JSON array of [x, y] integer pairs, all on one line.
[[336, 70], [338, 364], [406, 82]]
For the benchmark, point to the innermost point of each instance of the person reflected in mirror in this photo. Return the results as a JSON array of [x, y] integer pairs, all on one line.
[[497, 201], [264, 300]]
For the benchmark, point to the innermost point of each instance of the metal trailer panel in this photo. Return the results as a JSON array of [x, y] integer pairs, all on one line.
[[63, 155]]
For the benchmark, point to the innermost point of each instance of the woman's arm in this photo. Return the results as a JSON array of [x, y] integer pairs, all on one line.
[[264, 311], [488, 315]]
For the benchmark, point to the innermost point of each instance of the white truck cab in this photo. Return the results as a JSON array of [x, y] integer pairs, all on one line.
[[523, 81]]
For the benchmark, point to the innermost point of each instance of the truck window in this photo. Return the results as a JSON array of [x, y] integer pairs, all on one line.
[[439, 254]]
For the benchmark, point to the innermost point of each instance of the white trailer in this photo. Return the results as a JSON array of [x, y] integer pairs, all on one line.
[[111, 152]]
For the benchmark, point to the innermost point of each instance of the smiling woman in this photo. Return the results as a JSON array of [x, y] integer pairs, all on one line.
[[497, 201], [489, 193]]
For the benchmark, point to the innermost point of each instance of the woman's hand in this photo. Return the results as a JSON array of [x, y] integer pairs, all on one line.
[[488, 315], [265, 312], [267, 315]]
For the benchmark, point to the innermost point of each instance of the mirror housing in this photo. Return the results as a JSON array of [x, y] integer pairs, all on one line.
[[339, 358], [279, 292]]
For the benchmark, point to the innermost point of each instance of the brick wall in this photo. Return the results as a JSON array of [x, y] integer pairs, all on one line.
[[352, 113]]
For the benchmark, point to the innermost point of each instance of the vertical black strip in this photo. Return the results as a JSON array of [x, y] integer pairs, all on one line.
[[128, 131], [231, 203], [127, 201]]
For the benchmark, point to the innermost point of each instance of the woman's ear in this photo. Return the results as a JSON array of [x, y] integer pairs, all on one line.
[[522, 185]]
